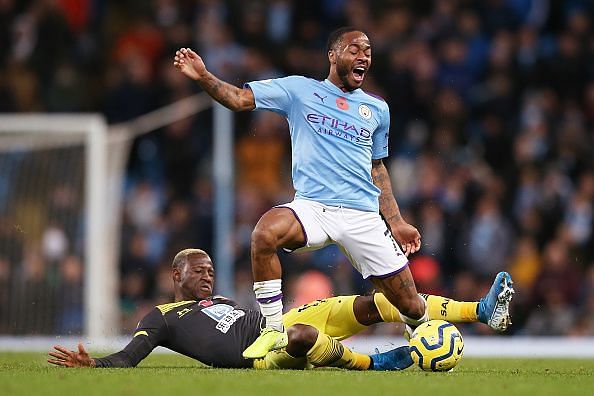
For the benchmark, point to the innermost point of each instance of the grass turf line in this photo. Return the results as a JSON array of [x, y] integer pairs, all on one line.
[[159, 374]]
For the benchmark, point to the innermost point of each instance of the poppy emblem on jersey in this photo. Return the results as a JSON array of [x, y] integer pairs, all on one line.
[[205, 303], [365, 111], [342, 103]]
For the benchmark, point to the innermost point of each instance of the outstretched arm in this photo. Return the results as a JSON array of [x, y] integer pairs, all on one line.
[[130, 356], [407, 235], [151, 332], [66, 358], [191, 65]]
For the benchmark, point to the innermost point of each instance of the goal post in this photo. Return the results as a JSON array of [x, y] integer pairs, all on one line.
[[102, 152], [223, 176], [100, 286]]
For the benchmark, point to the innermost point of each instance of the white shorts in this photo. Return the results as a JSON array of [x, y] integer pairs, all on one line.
[[362, 236]]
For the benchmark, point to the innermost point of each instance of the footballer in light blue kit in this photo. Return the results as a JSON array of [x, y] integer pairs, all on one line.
[[339, 135], [334, 137]]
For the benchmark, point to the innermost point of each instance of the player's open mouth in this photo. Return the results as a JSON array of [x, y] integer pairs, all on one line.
[[359, 73], [205, 287]]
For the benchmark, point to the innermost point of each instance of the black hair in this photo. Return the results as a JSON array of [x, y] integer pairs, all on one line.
[[336, 35]]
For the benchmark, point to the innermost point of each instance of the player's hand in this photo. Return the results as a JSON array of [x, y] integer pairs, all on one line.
[[189, 63], [66, 358], [407, 236]]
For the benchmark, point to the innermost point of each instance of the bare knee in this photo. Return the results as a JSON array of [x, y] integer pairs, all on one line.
[[263, 239], [276, 228], [301, 339], [366, 311]]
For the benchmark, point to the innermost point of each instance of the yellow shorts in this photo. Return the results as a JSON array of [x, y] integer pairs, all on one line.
[[333, 316]]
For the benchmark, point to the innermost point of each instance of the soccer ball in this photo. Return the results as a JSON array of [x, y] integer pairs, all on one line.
[[436, 345]]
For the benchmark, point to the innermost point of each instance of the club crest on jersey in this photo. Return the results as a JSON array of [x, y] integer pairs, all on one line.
[[342, 103], [225, 316], [218, 312], [365, 111]]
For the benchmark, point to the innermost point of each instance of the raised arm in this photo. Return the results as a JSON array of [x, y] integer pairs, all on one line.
[[191, 65], [407, 235]]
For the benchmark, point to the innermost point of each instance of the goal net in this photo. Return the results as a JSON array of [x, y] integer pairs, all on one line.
[[61, 180], [55, 255]]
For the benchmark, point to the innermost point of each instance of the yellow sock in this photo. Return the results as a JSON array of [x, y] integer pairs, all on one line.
[[451, 310], [329, 352], [437, 308], [280, 359], [387, 311]]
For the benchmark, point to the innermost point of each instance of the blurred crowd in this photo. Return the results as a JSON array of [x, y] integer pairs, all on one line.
[[491, 145]]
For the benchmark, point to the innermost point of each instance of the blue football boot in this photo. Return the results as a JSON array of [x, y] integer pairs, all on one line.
[[395, 359], [494, 307]]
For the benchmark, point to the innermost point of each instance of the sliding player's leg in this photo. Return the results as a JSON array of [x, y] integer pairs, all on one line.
[[334, 316], [343, 316], [492, 309], [322, 350], [309, 347], [333, 319]]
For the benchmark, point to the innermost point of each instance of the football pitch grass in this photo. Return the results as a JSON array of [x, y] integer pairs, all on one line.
[[167, 374]]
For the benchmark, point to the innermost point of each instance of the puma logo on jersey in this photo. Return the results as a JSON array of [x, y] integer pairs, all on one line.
[[320, 97]]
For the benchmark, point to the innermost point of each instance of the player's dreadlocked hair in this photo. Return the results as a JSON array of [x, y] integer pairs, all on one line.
[[336, 36], [181, 258]]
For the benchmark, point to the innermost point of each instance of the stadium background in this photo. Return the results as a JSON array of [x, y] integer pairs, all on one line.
[[491, 147]]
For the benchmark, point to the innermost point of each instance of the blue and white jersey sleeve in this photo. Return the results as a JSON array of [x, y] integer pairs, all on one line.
[[274, 94], [381, 135]]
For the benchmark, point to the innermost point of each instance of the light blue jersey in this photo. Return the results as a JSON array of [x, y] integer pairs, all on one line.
[[334, 137]]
